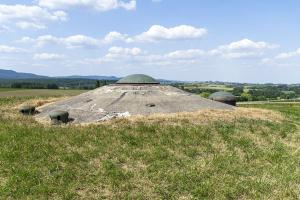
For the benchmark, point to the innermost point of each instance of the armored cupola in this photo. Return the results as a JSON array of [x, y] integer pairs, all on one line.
[[138, 79], [224, 97]]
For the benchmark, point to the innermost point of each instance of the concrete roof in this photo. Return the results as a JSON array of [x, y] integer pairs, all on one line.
[[115, 101]]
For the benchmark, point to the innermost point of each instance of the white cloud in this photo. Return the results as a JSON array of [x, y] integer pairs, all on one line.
[[179, 57], [48, 56], [282, 59], [288, 54], [121, 53], [136, 56], [125, 51], [41, 40], [10, 49], [79, 41], [140, 57], [30, 25], [28, 17], [114, 36], [186, 54], [243, 49], [70, 41], [4, 28], [100, 5], [30, 13], [157, 32]]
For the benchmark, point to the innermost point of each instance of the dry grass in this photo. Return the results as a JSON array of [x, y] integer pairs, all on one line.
[[204, 117], [11, 111], [39, 102]]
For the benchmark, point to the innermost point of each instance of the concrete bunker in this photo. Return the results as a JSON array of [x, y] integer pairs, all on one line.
[[136, 94]]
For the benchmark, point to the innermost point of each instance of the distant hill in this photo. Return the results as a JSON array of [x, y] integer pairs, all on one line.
[[13, 75], [93, 77], [10, 74]]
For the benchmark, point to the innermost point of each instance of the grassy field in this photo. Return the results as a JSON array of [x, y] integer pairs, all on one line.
[[7, 89], [208, 86], [290, 109], [247, 154], [8, 92]]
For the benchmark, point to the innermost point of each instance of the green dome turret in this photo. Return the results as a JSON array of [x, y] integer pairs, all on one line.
[[137, 79], [224, 97]]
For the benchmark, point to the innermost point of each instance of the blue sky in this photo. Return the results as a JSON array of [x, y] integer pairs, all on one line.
[[195, 40]]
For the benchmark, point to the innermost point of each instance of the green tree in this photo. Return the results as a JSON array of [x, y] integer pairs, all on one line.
[[205, 94], [98, 84], [246, 97]]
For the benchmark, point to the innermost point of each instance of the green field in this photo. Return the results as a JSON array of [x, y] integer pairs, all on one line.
[[210, 156], [208, 86], [7, 89], [9, 92]]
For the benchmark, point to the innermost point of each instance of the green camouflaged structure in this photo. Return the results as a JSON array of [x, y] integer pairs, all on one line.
[[224, 97], [27, 110], [59, 116], [137, 79]]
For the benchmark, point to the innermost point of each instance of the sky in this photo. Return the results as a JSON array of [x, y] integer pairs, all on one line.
[[254, 41]]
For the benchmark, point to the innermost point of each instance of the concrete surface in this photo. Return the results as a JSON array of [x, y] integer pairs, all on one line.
[[115, 101]]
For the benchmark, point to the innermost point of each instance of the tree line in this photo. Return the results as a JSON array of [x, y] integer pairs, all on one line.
[[248, 92], [86, 84]]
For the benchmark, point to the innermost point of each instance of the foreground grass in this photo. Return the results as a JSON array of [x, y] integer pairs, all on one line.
[[290, 109], [220, 159]]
